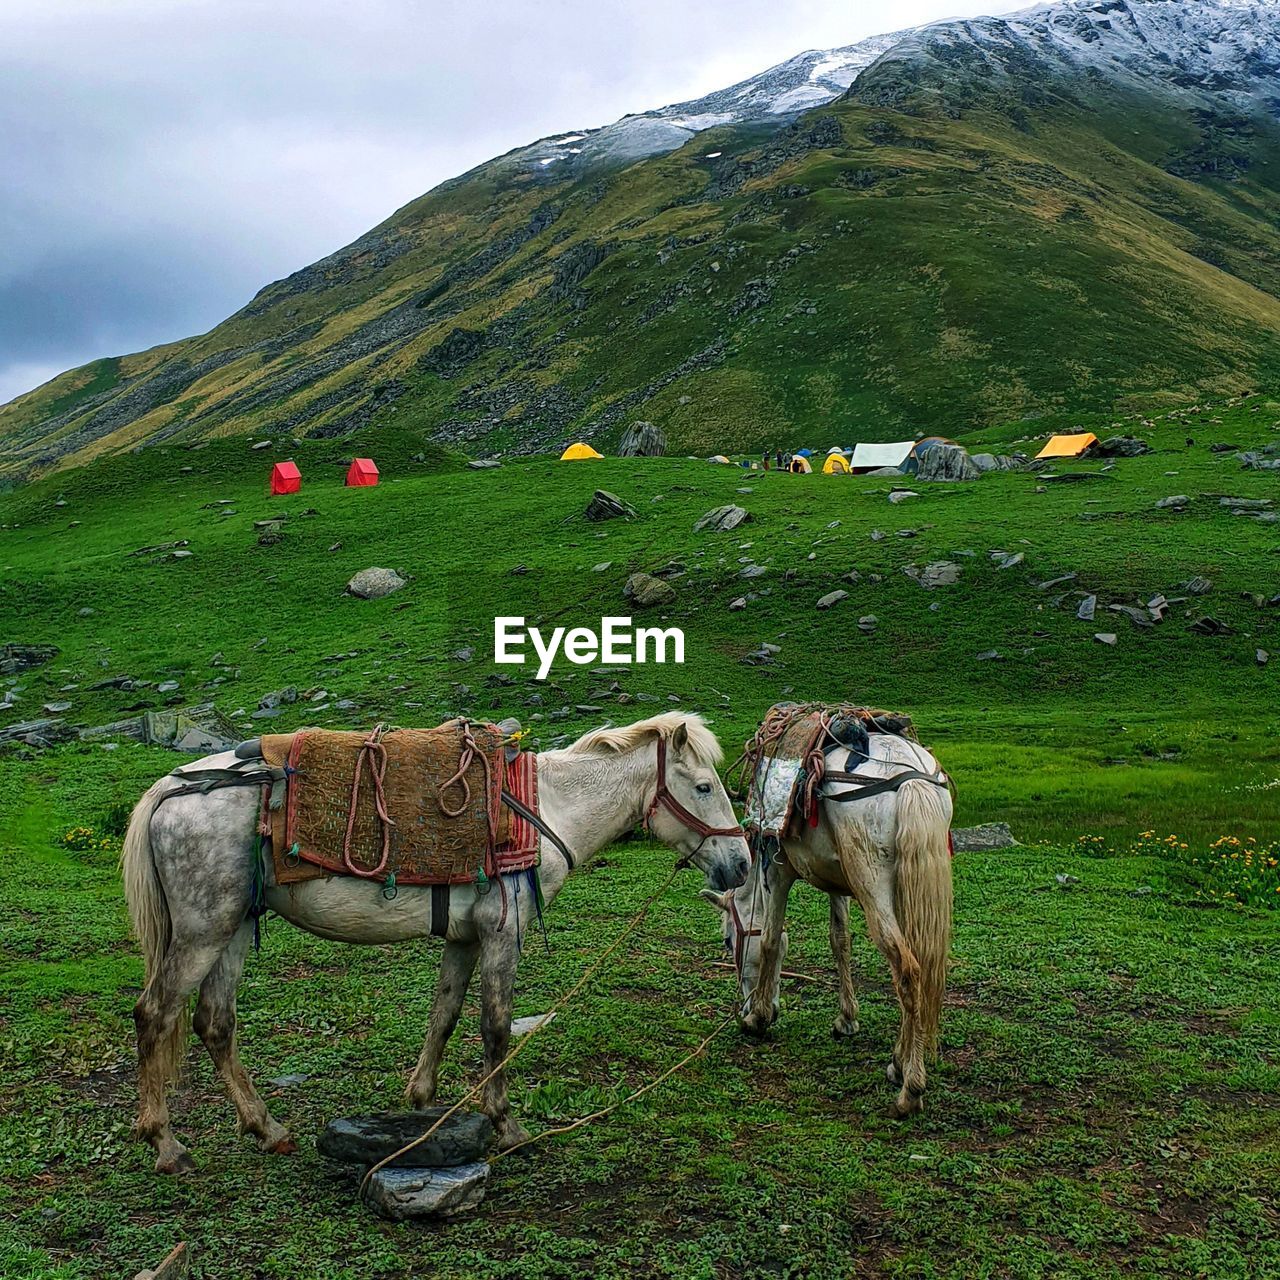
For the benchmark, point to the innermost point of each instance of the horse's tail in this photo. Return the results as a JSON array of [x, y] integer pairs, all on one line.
[[922, 894], [149, 911]]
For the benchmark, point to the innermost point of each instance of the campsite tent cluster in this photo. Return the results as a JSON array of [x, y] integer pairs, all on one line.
[[287, 478], [902, 457]]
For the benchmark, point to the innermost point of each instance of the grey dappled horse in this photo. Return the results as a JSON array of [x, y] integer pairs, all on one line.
[[188, 866], [890, 851]]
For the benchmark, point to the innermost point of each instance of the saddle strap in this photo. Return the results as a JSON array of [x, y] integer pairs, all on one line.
[[202, 781], [537, 823], [868, 786]]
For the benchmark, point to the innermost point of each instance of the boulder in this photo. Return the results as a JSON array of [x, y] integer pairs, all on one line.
[[645, 591], [997, 462], [608, 506], [373, 584], [38, 733], [15, 658], [642, 440], [941, 573], [947, 463], [985, 836], [365, 1140], [722, 519], [405, 1194], [1122, 447]]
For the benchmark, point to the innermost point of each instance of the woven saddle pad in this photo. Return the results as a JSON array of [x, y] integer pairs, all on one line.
[[783, 756], [309, 832]]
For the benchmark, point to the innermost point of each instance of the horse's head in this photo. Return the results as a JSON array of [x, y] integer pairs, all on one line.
[[742, 914], [691, 810]]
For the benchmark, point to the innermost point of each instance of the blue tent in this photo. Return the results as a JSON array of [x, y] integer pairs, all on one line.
[[804, 453]]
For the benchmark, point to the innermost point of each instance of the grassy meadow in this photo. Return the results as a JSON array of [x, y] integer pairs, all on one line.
[[1105, 1101]]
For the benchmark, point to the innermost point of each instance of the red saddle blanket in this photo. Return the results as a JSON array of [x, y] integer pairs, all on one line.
[[405, 807]]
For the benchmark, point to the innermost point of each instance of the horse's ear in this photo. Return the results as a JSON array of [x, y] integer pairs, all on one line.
[[680, 739], [718, 900]]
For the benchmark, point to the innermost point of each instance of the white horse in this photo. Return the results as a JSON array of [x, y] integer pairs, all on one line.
[[890, 851], [188, 864]]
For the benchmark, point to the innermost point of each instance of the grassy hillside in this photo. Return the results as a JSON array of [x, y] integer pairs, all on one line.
[[946, 263], [996, 663], [1105, 1102]]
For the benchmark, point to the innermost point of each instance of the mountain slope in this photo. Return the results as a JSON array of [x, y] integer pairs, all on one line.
[[1004, 217]]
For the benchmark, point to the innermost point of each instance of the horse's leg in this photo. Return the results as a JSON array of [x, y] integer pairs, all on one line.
[[159, 1016], [456, 967], [499, 954], [215, 1024], [846, 1023], [907, 1066], [762, 1002]]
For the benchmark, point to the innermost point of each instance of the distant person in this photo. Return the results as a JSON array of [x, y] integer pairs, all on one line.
[[766, 459], [786, 461], [777, 459]]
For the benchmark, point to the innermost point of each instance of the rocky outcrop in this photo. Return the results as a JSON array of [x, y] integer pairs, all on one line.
[[642, 440], [947, 463], [373, 584]]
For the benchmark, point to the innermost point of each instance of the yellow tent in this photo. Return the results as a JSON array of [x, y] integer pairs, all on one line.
[[577, 451], [720, 458], [800, 466], [835, 465], [1067, 446]]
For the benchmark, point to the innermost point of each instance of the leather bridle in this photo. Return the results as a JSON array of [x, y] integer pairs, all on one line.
[[663, 799], [740, 931]]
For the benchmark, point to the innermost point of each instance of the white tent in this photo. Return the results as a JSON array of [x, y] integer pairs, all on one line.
[[871, 457]]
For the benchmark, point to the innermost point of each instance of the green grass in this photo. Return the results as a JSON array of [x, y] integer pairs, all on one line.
[[1105, 1104]]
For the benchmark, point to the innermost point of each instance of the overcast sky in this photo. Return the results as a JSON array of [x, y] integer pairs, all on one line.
[[161, 160]]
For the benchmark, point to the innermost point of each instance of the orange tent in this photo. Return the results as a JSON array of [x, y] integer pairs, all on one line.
[[285, 478], [361, 474], [1068, 446]]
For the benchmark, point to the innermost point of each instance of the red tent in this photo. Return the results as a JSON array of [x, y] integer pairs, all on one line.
[[361, 473], [285, 478]]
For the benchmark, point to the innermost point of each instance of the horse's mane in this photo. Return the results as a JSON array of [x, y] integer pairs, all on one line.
[[703, 744]]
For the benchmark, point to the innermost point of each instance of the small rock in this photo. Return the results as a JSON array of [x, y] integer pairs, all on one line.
[[1007, 559], [365, 1140], [1088, 608], [483, 464], [832, 598], [406, 1194], [901, 495], [941, 573], [1261, 657], [602, 566], [867, 625], [644, 590], [990, 655], [262, 444], [1207, 626], [984, 837], [1197, 586], [722, 519], [739, 603], [753, 571], [182, 555], [373, 584], [167, 686], [1106, 637], [608, 506], [1179, 502]]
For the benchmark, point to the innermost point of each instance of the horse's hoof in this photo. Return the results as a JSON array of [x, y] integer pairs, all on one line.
[[892, 1073], [511, 1135], [906, 1104], [285, 1147], [179, 1165], [755, 1025], [844, 1029]]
